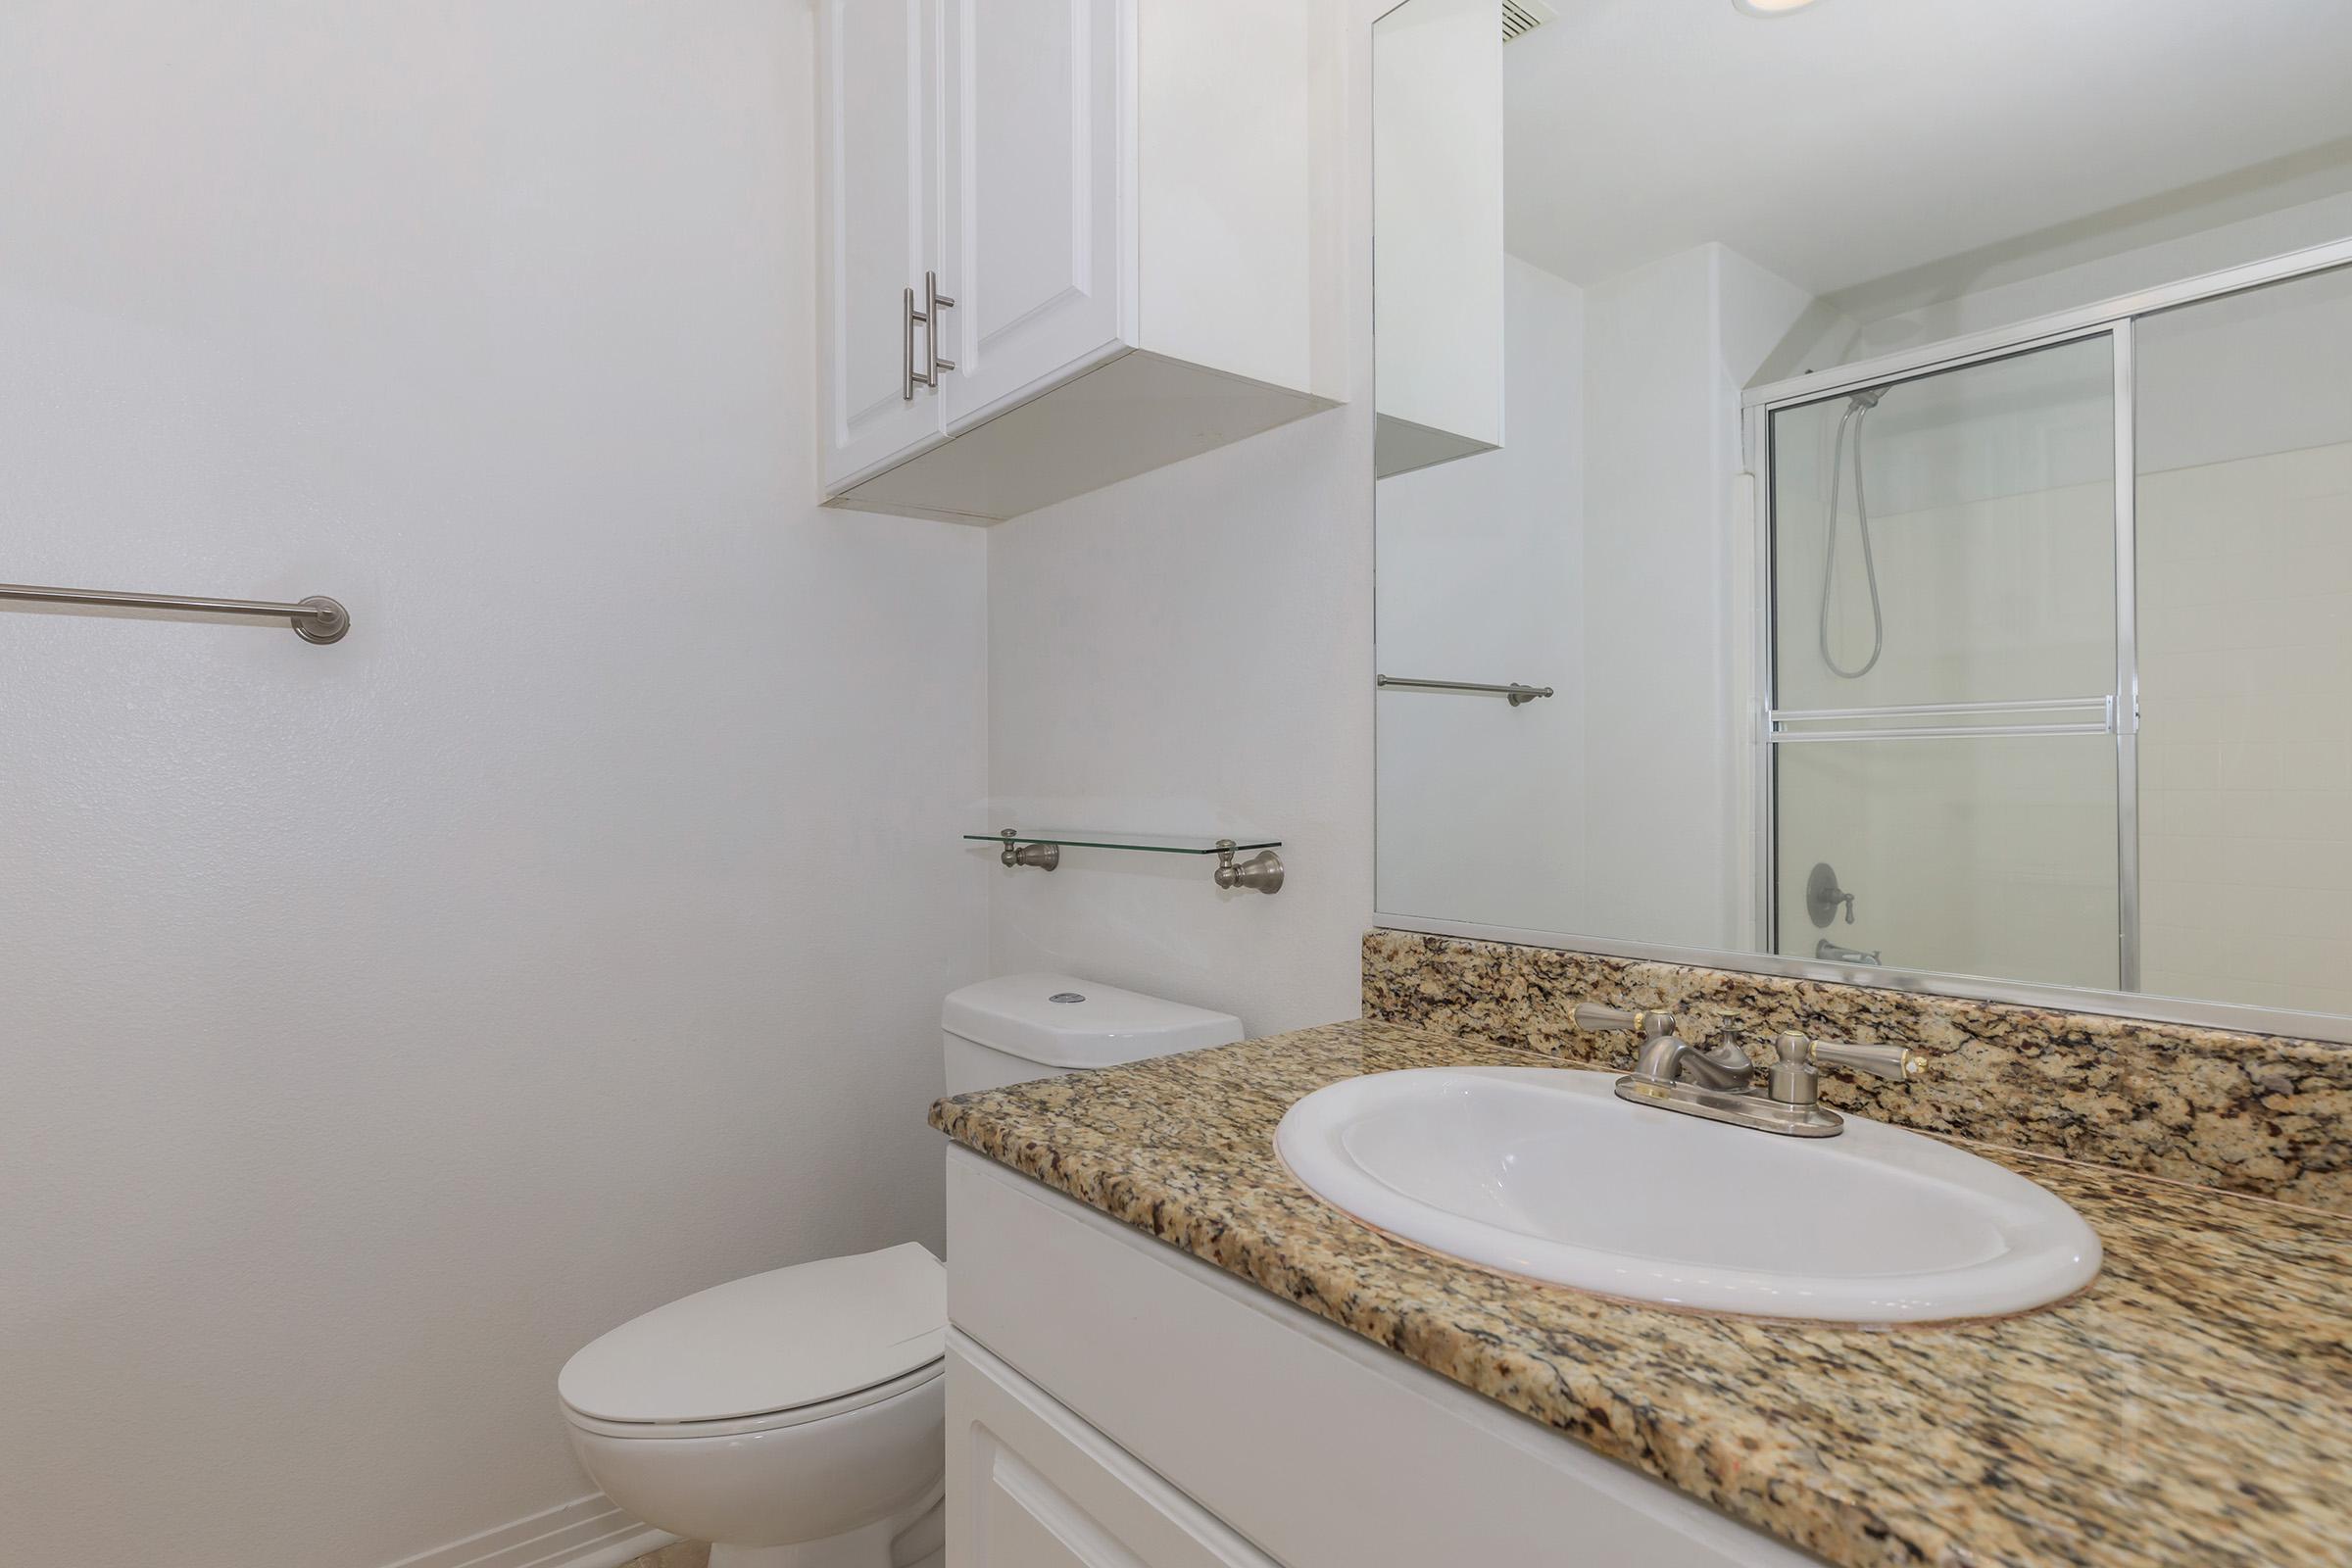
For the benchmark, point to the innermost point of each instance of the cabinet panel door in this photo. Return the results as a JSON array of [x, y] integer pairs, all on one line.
[[1032, 1486], [879, 196], [1040, 160]]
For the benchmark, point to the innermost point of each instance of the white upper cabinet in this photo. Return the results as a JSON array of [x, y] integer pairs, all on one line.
[[1114, 204], [881, 131], [1035, 100], [1436, 231]]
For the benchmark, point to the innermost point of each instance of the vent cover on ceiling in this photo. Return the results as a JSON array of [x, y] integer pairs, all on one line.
[[1523, 17]]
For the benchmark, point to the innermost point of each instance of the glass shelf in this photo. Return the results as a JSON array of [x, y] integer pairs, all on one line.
[[1149, 843]]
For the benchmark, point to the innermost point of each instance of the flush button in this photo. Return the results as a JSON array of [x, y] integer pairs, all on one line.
[[1065, 996]]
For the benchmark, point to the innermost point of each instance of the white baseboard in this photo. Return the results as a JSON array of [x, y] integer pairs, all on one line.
[[585, 1532]]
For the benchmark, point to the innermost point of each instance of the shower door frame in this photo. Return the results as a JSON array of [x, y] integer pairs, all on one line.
[[2120, 707], [2116, 320]]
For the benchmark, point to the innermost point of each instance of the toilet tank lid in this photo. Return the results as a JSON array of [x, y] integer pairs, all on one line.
[[778, 1340], [1060, 1020]]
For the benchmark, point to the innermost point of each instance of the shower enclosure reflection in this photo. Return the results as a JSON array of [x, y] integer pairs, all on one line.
[[1944, 689], [1926, 586]]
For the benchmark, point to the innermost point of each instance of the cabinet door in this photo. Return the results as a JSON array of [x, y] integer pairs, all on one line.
[[878, 60], [1032, 1486], [1040, 190]]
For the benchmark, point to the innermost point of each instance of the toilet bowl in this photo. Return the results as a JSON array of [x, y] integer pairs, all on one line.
[[794, 1418], [798, 1418]]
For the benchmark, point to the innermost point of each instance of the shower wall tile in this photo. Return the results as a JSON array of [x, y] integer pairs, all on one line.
[[2182, 764], [2246, 729], [2248, 1113]]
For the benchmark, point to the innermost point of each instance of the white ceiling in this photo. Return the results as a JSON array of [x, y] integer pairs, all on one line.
[[1864, 138]]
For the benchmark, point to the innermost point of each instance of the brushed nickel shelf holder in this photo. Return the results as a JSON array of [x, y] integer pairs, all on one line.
[[315, 619], [1043, 857], [1260, 872], [1517, 693]]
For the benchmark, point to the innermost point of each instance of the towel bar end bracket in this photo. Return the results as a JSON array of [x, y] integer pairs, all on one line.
[[328, 622]]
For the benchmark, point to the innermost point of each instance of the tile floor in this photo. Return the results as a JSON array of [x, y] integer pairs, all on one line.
[[685, 1554]]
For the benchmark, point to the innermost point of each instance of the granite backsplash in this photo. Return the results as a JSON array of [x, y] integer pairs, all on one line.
[[2245, 1113]]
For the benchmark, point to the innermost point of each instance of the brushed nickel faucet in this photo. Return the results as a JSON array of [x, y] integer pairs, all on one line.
[[1721, 1084]]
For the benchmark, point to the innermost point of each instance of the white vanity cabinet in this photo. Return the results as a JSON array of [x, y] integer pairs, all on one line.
[[1114, 1401], [1116, 202], [1037, 1488]]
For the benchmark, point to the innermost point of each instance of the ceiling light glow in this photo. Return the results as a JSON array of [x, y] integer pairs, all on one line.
[[1769, 8]]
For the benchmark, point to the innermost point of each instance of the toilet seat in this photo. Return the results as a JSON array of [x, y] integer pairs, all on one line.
[[770, 1421], [774, 1350]]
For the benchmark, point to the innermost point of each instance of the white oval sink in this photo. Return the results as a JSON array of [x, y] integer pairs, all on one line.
[[1544, 1172]]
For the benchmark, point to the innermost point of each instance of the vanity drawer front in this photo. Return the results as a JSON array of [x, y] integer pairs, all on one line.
[[1031, 1485], [1316, 1445]]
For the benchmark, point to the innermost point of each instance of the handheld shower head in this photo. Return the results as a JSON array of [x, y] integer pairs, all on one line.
[[1857, 413]]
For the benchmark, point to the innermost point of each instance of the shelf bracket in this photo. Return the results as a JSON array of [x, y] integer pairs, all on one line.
[[1043, 856], [1260, 873]]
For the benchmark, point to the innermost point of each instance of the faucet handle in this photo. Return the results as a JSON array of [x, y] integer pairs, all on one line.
[[1651, 1023], [1898, 1062], [1795, 1079]]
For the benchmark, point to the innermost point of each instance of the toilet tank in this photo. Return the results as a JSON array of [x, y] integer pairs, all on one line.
[[1023, 1026]]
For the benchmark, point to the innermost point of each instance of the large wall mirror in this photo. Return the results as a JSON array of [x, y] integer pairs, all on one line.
[[1868, 487]]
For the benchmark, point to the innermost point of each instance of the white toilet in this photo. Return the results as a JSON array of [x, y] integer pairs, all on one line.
[[797, 1418]]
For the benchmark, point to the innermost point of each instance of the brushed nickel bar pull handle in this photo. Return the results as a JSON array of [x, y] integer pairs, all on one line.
[[1513, 690], [937, 302], [906, 350], [316, 619]]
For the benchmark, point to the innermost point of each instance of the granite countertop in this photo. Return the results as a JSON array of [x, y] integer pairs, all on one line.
[[2192, 1406]]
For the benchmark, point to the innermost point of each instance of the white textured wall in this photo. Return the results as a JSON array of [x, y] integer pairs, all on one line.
[[1602, 552], [386, 1020], [1668, 347], [1188, 652], [1192, 649], [1652, 615], [1482, 560]]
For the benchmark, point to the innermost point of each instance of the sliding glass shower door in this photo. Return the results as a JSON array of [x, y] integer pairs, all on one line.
[[1950, 764], [2244, 512]]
